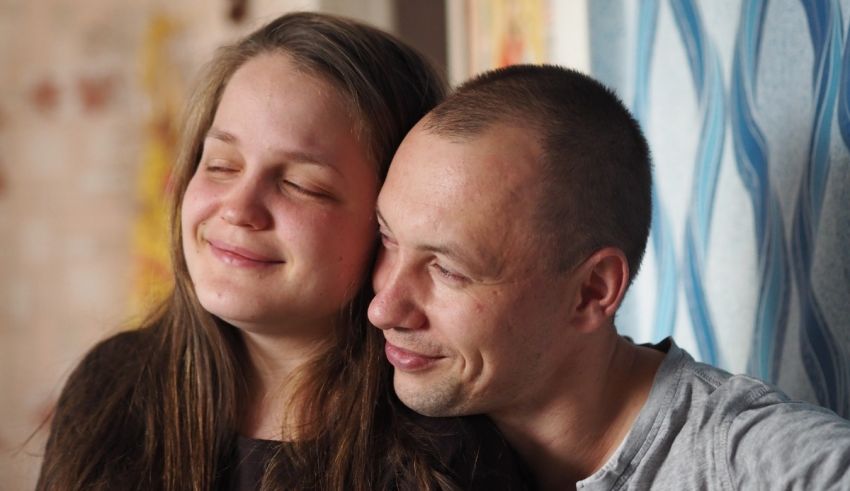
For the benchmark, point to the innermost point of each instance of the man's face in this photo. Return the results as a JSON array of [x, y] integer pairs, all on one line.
[[473, 318]]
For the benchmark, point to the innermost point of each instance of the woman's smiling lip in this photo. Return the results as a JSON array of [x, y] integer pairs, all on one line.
[[408, 361], [238, 256]]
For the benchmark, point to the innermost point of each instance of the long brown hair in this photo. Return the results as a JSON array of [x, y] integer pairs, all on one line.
[[158, 408]]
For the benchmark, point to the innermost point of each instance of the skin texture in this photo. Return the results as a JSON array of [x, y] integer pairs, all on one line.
[[277, 220], [477, 322], [459, 282]]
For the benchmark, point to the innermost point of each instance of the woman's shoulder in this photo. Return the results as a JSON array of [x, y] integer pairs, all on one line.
[[117, 352], [118, 345], [93, 424], [111, 364]]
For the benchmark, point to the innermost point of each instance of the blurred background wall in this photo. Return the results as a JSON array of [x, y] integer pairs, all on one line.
[[745, 104], [91, 96]]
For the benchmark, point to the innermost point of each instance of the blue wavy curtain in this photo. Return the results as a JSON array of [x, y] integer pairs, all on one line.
[[746, 105]]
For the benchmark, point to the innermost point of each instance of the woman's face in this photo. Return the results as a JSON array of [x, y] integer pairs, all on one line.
[[278, 219]]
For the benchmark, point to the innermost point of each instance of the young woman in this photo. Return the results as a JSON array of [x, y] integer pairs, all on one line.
[[260, 370]]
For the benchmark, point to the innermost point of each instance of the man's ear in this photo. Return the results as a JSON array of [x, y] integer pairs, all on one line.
[[602, 280]]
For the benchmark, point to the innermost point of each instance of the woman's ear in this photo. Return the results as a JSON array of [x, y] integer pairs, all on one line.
[[602, 280]]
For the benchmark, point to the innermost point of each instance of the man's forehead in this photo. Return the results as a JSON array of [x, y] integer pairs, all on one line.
[[501, 158], [477, 195]]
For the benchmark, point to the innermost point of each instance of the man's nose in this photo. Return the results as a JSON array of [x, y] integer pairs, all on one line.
[[244, 206], [395, 305]]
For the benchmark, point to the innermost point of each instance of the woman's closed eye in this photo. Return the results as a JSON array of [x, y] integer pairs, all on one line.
[[307, 190], [218, 166]]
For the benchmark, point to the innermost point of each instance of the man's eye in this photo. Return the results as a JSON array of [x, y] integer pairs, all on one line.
[[449, 275], [386, 241]]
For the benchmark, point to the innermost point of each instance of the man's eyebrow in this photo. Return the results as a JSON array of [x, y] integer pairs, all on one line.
[[480, 264]]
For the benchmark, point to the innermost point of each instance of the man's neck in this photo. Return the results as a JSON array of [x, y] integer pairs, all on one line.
[[587, 417]]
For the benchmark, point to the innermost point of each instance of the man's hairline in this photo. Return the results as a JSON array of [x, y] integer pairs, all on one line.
[[544, 228]]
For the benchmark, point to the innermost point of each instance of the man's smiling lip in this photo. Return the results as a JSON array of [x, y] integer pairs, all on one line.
[[238, 256], [408, 361]]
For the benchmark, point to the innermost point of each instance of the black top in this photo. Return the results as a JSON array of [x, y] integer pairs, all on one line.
[[476, 453], [470, 449], [249, 461]]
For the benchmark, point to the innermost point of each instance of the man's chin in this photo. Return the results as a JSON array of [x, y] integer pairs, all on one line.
[[433, 400]]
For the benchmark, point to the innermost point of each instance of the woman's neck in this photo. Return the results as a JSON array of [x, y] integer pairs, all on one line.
[[272, 362]]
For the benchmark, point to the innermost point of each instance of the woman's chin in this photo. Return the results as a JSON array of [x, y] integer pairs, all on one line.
[[263, 322]]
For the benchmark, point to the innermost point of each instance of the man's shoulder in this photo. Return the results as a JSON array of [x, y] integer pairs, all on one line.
[[741, 402], [706, 387], [753, 431], [704, 427], [713, 389]]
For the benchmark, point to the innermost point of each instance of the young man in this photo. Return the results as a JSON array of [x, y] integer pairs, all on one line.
[[513, 218]]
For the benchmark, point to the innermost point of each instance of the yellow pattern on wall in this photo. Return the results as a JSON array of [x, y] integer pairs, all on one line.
[[152, 276], [506, 32]]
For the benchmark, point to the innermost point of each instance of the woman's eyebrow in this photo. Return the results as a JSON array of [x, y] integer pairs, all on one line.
[[222, 135], [300, 157]]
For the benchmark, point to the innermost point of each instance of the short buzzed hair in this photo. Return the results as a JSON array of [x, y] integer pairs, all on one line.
[[595, 170]]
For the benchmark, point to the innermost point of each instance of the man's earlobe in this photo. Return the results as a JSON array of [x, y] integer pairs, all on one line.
[[604, 278]]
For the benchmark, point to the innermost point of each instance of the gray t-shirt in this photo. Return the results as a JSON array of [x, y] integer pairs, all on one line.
[[702, 428]]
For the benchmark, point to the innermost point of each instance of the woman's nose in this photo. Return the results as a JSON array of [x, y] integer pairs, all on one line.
[[244, 206]]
